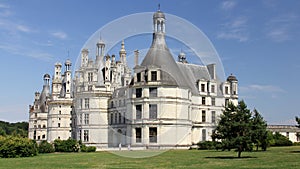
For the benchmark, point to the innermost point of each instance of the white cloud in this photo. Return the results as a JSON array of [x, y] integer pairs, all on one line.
[[23, 28], [261, 88], [282, 28], [4, 6], [235, 29], [59, 35], [228, 5], [22, 51]]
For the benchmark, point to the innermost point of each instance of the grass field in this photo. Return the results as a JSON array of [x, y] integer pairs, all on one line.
[[277, 157]]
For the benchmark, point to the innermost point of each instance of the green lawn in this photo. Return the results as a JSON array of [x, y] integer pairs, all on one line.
[[277, 157]]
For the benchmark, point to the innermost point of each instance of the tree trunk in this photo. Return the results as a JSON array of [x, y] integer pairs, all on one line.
[[239, 151]]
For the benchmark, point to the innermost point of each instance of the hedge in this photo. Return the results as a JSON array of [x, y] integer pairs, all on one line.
[[15, 146]]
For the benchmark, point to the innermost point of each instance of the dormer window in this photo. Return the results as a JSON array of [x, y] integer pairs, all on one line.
[[213, 89], [138, 77], [226, 90], [153, 76], [90, 76], [202, 87]]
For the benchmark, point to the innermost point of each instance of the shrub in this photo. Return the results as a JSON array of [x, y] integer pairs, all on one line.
[[296, 144], [45, 147], [13, 146], [85, 148], [280, 140], [69, 145], [206, 145]]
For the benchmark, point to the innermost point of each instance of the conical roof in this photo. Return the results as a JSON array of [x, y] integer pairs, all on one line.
[[159, 55]]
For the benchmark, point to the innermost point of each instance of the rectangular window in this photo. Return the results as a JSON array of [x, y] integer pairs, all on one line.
[[138, 92], [152, 111], [111, 118], [112, 104], [226, 90], [87, 103], [153, 135], [138, 77], [120, 118], [213, 90], [79, 134], [116, 117], [90, 76], [203, 116], [138, 111], [213, 101], [138, 135], [202, 87], [153, 91], [86, 118], [80, 118], [153, 76], [203, 134], [213, 116], [226, 102], [86, 135], [81, 103], [203, 100], [43, 136], [287, 134]]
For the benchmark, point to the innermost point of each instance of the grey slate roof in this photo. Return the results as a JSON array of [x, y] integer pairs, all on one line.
[[193, 73], [159, 55]]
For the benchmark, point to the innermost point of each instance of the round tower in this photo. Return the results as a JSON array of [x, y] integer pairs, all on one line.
[[233, 84]]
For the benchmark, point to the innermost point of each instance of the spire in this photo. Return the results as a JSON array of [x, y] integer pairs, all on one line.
[[122, 52], [100, 47], [123, 45], [158, 7]]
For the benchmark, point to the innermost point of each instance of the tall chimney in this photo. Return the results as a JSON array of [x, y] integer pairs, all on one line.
[[136, 57]]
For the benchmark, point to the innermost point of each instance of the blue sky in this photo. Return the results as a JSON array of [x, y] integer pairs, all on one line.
[[257, 40]]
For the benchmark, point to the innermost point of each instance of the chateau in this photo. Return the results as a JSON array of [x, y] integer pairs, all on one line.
[[160, 103]]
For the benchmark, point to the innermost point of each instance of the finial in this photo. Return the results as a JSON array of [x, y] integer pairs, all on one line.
[[68, 53], [158, 7], [123, 45]]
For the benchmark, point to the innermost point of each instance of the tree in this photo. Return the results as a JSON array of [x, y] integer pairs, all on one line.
[[298, 121], [234, 128], [259, 131]]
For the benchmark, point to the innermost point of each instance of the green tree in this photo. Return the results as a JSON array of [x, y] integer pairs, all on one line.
[[234, 128], [298, 121], [45, 147], [259, 131]]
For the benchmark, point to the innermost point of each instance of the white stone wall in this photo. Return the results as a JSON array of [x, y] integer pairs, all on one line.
[[59, 120]]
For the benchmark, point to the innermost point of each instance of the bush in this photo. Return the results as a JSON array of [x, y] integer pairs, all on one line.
[[45, 147], [85, 148], [69, 145], [206, 145], [12, 146], [296, 144], [280, 140]]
